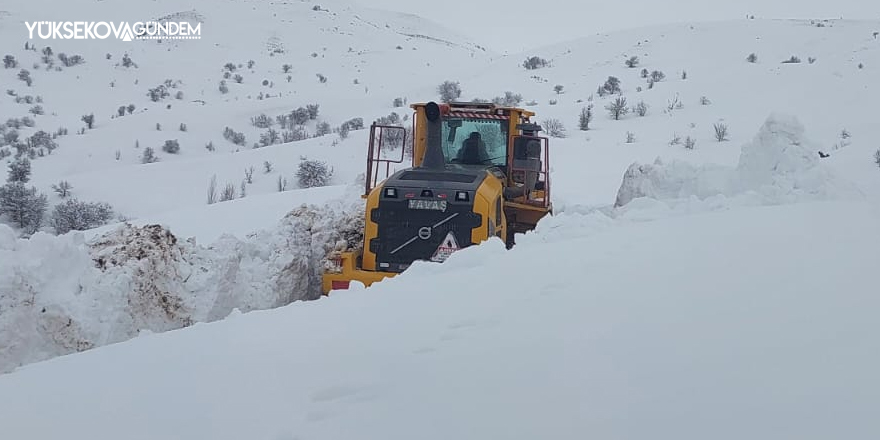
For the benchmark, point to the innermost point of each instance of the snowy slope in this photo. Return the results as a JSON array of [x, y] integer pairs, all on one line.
[[368, 58], [829, 96], [593, 328]]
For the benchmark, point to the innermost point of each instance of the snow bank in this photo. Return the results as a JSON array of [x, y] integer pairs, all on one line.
[[780, 165], [60, 295]]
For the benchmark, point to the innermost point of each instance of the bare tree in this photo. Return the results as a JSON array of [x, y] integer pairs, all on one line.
[[617, 108], [249, 174]]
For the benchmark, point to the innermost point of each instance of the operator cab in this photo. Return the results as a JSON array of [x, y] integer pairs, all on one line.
[[475, 141]]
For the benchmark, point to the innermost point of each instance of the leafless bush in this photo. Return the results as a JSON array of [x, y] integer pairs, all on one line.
[[752, 58], [509, 99], [171, 146], [282, 184], [261, 121], [449, 91], [630, 137], [611, 86], [617, 108], [585, 117], [313, 173], [534, 62], [632, 62], [690, 143], [553, 127], [62, 188], [641, 108], [73, 215], [231, 135], [228, 193], [720, 132], [149, 156]]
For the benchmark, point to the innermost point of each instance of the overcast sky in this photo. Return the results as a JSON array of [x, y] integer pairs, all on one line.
[[509, 25]]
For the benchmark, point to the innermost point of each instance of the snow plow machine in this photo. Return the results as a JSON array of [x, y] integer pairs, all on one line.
[[478, 171]]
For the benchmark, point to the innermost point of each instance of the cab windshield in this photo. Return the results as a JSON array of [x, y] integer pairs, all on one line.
[[475, 141]]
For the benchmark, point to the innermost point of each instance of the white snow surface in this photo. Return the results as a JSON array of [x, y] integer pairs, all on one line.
[[758, 323]]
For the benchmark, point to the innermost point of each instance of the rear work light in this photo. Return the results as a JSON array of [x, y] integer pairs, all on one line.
[[391, 192], [461, 196]]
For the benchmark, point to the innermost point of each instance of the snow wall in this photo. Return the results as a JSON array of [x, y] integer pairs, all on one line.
[[63, 294]]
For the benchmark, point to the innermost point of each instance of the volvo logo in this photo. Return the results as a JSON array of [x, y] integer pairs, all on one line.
[[425, 232]]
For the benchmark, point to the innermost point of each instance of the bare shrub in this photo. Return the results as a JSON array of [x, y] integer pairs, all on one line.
[[534, 62], [720, 131], [313, 173], [212, 190], [62, 188], [149, 156], [171, 146], [585, 117], [449, 91], [228, 193], [632, 62], [553, 127], [75, 215]]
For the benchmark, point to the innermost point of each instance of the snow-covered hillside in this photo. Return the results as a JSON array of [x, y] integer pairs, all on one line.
[[348, 61], [685, 283]]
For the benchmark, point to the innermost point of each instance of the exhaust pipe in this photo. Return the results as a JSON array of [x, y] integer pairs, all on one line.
[[434, 159]]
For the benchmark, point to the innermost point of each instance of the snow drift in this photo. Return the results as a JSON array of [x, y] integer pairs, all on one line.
[[138, 278], [780, 165]]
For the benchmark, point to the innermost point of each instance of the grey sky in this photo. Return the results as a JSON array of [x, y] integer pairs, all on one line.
[[515, 25]]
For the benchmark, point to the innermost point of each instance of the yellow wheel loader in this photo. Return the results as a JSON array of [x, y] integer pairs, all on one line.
[[478, 171]]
